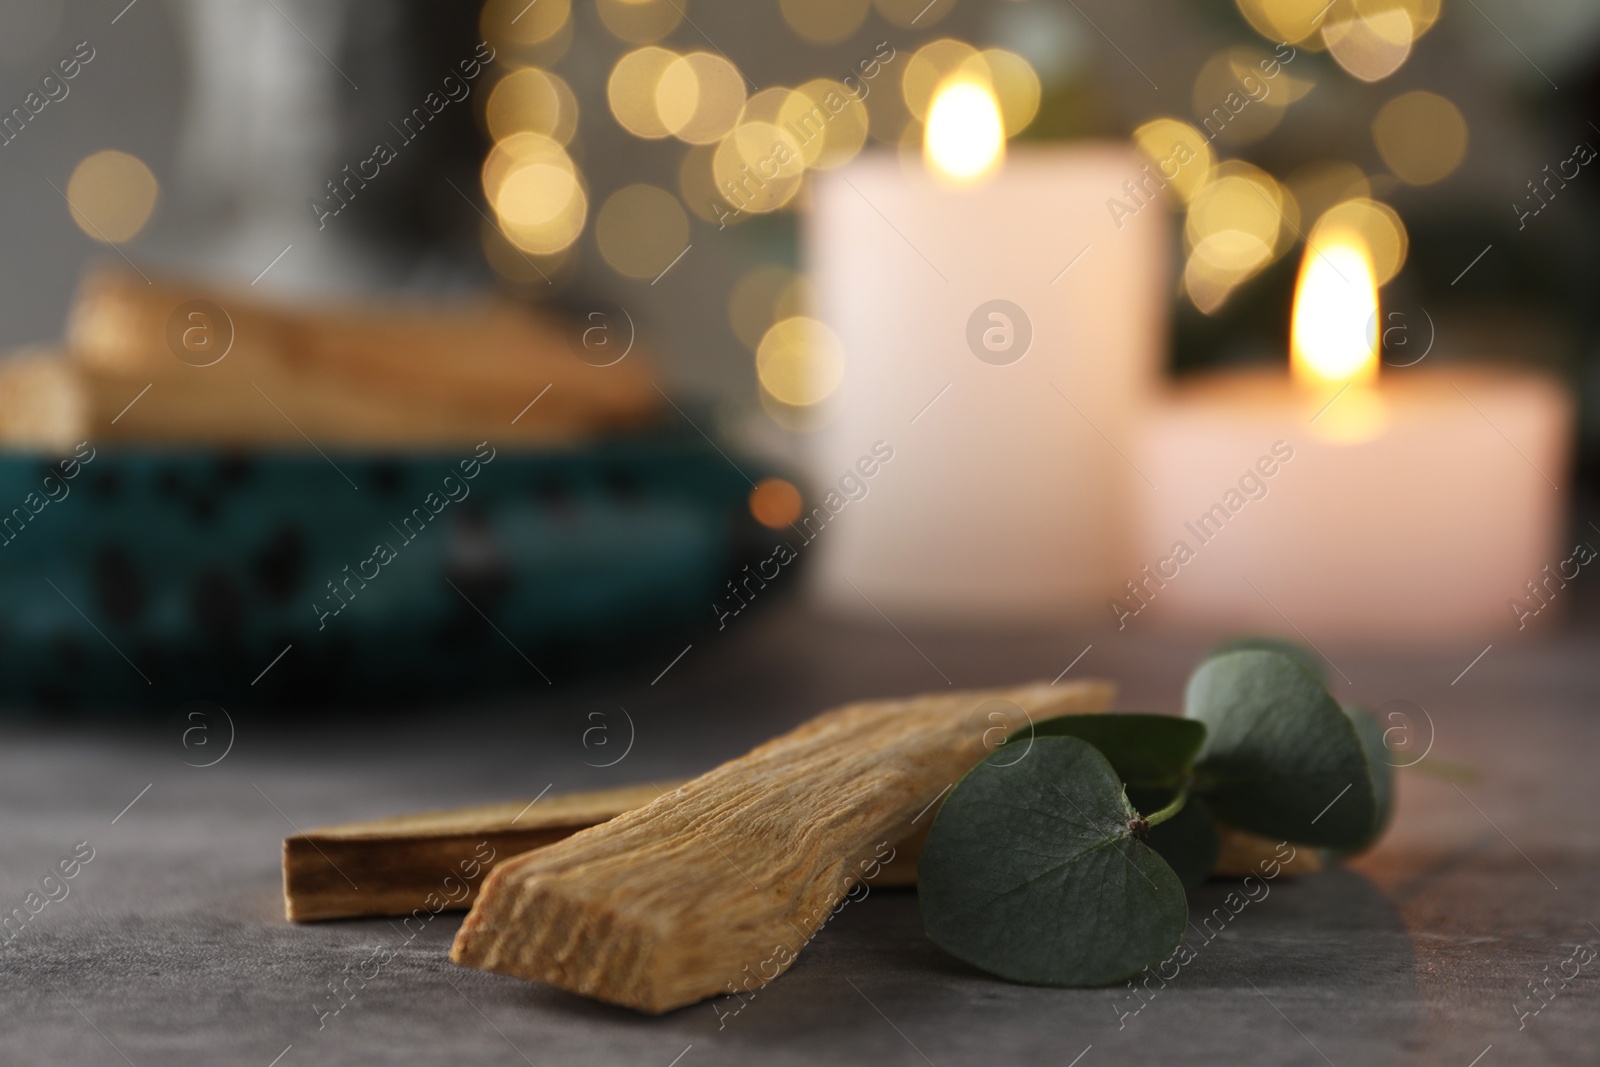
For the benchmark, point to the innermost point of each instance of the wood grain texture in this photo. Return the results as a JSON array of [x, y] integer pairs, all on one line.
[[392, 866], [717, 885]]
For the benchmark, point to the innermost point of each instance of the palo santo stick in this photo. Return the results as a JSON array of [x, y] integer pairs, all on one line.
[[392, 373], [399, 859], [397, 862], [393, 866], [705, 889], [49, 401]]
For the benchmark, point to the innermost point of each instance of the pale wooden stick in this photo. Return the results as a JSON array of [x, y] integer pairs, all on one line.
[[391, 866], [396, 864], [359, 375], [715, 886]]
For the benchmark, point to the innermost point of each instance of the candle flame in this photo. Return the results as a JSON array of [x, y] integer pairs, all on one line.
[[1335, 334], [965, 138]]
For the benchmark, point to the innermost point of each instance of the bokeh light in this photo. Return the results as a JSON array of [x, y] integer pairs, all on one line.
[[515, 265], [824, 21], [516, 22], [763, 296], [1421, 136], [758, 166], [631, 91], [534, 101], [1180, 154], [1246, 199], [829, 122], [1234, 101], [1290, 21], [641, 21], [775, 503], [914, 14], [1238, 222], [1369, 44], [697, 185], [699, 97], [800, 361], [1016, 87], [111, 195], [536, 192], [1320, 185], [641, 230]]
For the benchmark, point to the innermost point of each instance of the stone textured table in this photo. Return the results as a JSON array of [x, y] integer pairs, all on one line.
[[170, 947]]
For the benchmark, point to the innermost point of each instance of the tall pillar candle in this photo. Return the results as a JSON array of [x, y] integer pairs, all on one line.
[[1000, 338]]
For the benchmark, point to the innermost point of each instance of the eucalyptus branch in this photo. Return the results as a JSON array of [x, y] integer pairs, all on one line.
[[1159, 817]]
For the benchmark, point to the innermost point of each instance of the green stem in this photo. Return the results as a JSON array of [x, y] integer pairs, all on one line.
[[1159, 817]]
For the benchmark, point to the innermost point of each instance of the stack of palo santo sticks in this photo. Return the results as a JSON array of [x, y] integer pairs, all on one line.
[[161, 362], [659, 895]]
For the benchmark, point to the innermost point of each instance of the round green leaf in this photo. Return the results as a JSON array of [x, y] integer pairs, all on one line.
[[1144, 750], [1281, 758], [1032, 872], [1370, 730], [1297, 652]]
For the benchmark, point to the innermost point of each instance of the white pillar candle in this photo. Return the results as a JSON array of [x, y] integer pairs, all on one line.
[[1001, 338], [1426, 531]]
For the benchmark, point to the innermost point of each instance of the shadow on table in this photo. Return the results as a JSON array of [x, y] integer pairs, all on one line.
[[1319, 966]]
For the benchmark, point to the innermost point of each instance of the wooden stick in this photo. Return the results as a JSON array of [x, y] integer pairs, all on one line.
[[393, 866], [717, 885], [372, 376], [397, 864]]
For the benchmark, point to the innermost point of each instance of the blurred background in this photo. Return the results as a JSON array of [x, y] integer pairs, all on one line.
[[576, 175]]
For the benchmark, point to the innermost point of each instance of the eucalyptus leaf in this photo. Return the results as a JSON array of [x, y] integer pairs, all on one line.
[[1188, 841], [1281, 758], [1032, 871], [1370, 730], [1261, 643], [1144, 750]]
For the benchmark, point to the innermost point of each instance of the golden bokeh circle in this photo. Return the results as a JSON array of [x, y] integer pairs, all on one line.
[[536, 192], [640, 230], [762, 296], [641, 21], [1016, 87], [1180, 154], [111, 195], [631, 91], [700, 97], [1421, 136], [914, 14], [534, 101], [517, 22], [847, 125], [1288, 21], [1319, 185], [1245, 199], [824, 21], [1369, 45], [1233, 99], [515, 265], [800, 361], [758, 167], [697, 185], [518, 150]]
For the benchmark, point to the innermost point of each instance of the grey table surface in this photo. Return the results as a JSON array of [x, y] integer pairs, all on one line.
[[170, 947]]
